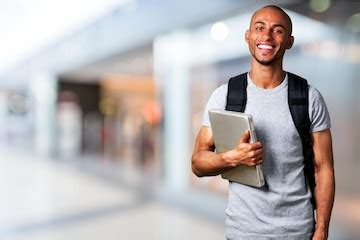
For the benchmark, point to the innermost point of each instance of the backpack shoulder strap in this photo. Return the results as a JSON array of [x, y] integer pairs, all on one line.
[[298, 98], [236, 97]]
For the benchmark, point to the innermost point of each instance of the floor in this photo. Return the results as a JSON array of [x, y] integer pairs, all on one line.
[[45, 199]]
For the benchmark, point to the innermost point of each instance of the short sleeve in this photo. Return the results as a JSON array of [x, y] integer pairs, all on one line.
[[318, 112], [216, 101]]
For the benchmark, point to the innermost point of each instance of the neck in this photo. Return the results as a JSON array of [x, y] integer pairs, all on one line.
[[267, 77]]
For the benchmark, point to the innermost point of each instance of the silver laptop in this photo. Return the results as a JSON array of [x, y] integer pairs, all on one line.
[[227, 128]]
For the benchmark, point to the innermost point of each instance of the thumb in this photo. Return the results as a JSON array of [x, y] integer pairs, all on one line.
[[245, 137]]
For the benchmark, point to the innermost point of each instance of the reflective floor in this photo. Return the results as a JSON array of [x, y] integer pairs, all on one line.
[[45, 199], [42, 199]]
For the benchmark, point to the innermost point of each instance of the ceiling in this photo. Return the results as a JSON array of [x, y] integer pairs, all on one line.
[[140, 62], [338, 13], [28, 25], [137, 62]]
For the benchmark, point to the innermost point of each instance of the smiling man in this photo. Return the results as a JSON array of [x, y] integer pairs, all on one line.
[[294, 147]]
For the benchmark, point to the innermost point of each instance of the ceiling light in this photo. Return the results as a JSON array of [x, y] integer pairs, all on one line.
[[219, 31], [354, 23], [320, 5]]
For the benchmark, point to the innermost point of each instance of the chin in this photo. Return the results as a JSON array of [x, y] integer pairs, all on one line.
[[266, 62]]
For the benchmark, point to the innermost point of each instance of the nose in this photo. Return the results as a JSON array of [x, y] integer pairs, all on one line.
[[267, 34]]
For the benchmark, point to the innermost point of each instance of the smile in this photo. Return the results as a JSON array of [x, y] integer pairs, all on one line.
[[265, 47]]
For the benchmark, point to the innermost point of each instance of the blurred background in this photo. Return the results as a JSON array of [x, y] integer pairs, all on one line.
[[101, 101]]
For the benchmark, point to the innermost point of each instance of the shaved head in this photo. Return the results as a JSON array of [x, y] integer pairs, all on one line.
[[276, 8], [269, 35]]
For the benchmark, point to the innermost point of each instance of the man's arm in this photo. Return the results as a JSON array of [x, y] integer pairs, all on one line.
[[325, 182], [205, 162]]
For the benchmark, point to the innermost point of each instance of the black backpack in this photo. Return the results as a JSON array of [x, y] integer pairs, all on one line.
[[298, 99]]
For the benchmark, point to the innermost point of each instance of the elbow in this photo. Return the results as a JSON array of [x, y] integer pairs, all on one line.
[[324, 168], [195, 169], [197, 172], [317, 168], [324, 172]]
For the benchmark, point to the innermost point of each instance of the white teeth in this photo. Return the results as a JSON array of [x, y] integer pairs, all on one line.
[[262, 46]]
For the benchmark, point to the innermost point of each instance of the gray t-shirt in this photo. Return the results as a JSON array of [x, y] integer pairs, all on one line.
[[282, 208]]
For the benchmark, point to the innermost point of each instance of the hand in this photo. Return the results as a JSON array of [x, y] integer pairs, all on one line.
[[246, 153]]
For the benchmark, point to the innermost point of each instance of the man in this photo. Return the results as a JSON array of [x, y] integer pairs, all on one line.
[[282, 209]]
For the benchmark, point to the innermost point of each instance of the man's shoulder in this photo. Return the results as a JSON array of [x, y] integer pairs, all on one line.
[[239, 76], [295, 75], [220, 90], [314, 93]]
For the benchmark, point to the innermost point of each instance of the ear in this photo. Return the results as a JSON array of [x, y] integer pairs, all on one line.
[[290, 42], [247, 33]]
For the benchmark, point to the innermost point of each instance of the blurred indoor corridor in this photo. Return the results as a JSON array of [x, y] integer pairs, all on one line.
[[47, 200], [101, 102]]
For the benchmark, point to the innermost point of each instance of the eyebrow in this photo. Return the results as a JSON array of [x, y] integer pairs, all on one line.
[[276, 25], [261, 22], [280, 25]]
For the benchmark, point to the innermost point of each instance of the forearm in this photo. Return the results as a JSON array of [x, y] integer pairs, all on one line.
[[324, 197], [205, 162], [208, 163]]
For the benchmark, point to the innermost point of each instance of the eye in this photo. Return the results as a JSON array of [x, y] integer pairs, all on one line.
[[259, 28], [278, 30]]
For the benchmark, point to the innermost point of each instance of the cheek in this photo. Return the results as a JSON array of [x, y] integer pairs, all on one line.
[[251, 40], [289, 44]]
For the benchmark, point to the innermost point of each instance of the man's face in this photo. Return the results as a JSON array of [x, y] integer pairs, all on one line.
[[269, 36]]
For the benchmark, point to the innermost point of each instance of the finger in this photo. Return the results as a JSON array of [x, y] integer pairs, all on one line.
[[251, 153], [254, 153], [245, 137], [256, 145], [259, 152], [256, 161]]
